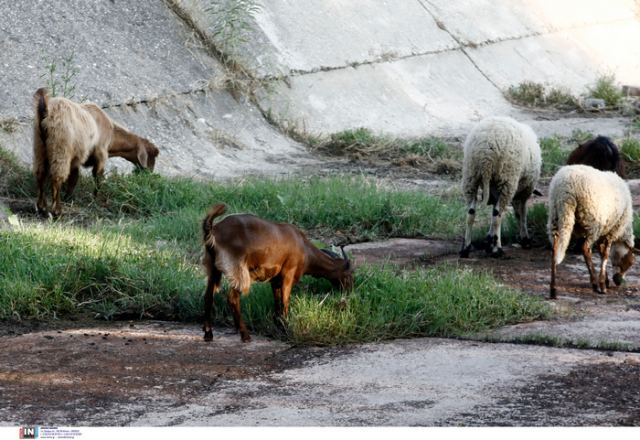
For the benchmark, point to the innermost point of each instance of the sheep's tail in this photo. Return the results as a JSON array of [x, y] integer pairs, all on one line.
[[486, 189], [561, 222], [41, 101], [207, 223]]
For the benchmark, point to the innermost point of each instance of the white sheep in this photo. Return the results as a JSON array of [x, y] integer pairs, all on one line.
[[596, 205], [501, 156]]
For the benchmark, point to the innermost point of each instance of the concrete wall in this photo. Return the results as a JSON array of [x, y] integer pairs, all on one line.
[[150, 71], [405, 67]]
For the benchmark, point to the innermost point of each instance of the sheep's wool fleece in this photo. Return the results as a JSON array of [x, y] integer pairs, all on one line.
[[599, 202], [502, 150]]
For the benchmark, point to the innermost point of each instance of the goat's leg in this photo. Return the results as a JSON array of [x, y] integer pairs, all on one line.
[[56, 186], [288, 280], [213, 283], [234, 302], [72, 181], [471, 216], [41, 180], [554, 252], [586, 251], [98, 171], [603, 282], [276, 287]]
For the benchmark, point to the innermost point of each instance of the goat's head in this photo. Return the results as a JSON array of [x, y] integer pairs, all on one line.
[[343, 272], [622, 259], [146, 154]]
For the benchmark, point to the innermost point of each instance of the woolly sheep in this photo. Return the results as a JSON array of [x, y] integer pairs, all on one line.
[[501, 156], [596, 205]]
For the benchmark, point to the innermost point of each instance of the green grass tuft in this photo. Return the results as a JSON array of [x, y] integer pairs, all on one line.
[[553, 155], [606, 88]]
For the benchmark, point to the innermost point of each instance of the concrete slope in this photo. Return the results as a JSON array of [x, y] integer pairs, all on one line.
[[150, 72], [421, 67]]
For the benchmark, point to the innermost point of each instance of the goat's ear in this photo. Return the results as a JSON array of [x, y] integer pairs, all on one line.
[[537, 192], [142, 156]]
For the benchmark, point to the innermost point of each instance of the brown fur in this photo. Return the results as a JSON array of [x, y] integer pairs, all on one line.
[[66, 136], [137, 150], [246, 248]]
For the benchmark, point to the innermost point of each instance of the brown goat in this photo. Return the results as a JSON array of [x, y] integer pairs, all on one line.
[[68, 135], [600, 153], [137, 150], [246, 248]]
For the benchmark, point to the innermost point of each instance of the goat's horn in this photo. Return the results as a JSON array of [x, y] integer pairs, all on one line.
[[344, 255]]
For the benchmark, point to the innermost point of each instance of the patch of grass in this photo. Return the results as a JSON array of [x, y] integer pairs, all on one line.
[[630, 148], [533, 94], [15, 179], [48, 271], [139, 256], [431, 153], [561, 342], [606, 88], [440, 301], [553, 155], [60, 76]]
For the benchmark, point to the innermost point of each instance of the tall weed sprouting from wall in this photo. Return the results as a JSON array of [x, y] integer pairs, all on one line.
[[231, 23]]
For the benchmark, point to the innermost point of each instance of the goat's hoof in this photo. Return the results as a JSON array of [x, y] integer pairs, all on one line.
[[552, 293], [499, 253], [617, 278], [526, 243], [208, 336], [464, 253], [245, 338]]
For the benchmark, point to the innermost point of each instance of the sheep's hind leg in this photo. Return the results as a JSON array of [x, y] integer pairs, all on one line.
[[234, 302], [471, 216], [494, 241], [41, 180], [603, 280], [520, 211]]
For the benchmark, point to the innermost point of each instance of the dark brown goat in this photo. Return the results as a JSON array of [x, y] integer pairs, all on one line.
[[600, 153], [246, 248]]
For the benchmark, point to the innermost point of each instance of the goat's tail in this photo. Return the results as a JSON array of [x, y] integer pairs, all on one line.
[[207, 223], [41, 102]]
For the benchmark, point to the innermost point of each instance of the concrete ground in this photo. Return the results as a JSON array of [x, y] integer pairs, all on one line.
[[161, 374]]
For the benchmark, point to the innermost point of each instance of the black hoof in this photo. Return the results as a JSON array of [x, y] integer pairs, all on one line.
[[552, 293], [208, 336], [464, 253], [497, 254]]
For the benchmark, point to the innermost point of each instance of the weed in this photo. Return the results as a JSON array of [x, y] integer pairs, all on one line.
[[61, 82], [534, 94], [553, 155], [232, 23], [630, 148], [606, 88]]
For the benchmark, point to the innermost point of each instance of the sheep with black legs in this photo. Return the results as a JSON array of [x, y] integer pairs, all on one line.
[[501, 156], [596, 205]]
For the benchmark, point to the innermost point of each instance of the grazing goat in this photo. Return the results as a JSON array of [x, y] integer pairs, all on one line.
[[501, 156], [68, 135], [246, 248], [600, 153], [596, 205], [137, 150]]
